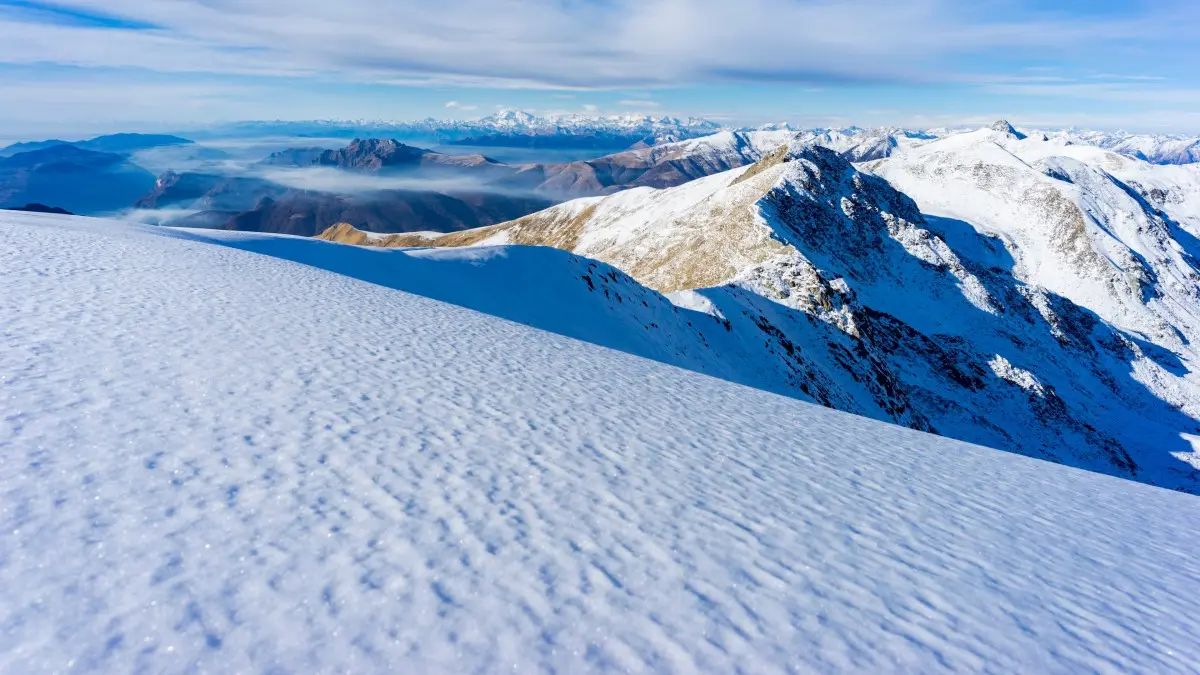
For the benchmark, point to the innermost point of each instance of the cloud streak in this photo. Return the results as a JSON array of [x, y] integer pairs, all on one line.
[[258, 58], [549, 43], [342, 182]]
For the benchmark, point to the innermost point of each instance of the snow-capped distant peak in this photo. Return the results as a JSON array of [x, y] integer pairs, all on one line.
[[509, 120], [775, 126]]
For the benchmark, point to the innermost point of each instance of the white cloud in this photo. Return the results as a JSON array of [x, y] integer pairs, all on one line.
[[1131, 78], [590, 107], [557, 44], [632, 48], [328, 179], [1128, 92], [460, 106]]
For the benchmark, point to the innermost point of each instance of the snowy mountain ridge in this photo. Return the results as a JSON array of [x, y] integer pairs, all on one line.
[[505, 122], [1153, 148], [861, 144], [1069, 342]]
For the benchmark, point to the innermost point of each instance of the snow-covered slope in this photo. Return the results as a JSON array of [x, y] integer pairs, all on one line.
[[833, 287], [1113, 234], [1173, 190], [722, 150], [859, 144], [218, 461], [862, 145], [1153, 148], [865, 144], [662, 165], [855, 144]]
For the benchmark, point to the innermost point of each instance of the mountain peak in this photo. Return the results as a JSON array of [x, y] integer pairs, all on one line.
[[372, 154], [1004, 127]]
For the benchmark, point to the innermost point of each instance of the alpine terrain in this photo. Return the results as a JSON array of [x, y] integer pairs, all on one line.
[[599, 336], [1019, 293], [234, 452]]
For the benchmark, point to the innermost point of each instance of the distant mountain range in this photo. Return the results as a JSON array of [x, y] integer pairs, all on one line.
[[514, 128], [1153, 148], [433, 191], [38, 208], [650, 156], [509, 128], [95, 176], [609, 133], [461, 199], [496, 189], [121, 144], [72, 178]]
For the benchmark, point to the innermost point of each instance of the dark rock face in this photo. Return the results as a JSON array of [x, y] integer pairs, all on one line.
[[373, 154], [1005, 128]]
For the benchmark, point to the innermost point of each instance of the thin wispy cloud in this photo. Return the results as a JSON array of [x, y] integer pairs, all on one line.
[[549, 42], [638, 103], [327, 179], [614, 49], [1106, 91], [1132, 78]]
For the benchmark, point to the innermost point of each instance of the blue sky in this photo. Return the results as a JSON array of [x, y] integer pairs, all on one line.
[[83, 66]]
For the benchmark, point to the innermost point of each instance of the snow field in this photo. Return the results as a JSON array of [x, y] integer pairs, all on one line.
[[213, 460]]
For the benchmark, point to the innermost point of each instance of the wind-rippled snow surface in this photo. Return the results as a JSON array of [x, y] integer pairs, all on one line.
[[215, 461]]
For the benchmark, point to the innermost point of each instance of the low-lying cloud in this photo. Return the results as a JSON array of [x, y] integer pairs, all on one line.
[[156, 216], [344, 182]]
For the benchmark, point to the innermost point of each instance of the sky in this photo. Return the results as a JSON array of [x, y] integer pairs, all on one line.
[[92, 66]]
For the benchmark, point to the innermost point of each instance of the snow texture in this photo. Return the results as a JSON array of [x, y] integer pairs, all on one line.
[[220, 461]]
